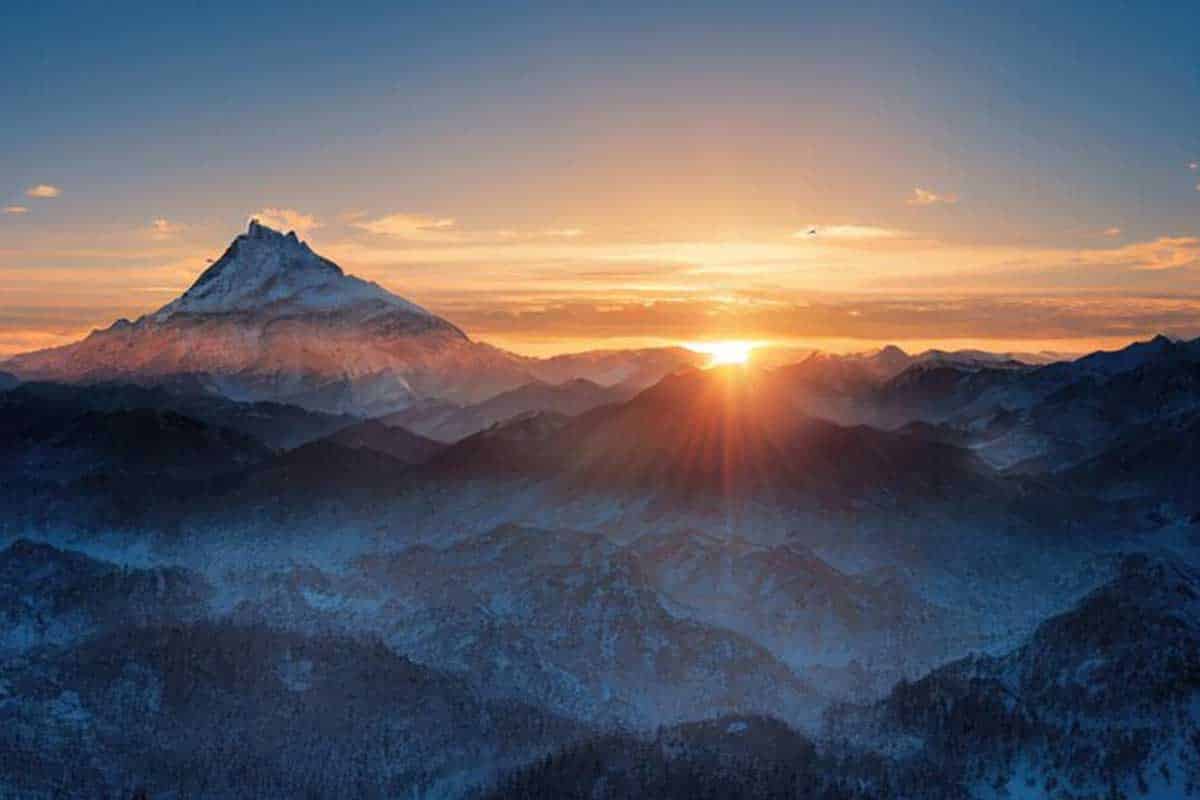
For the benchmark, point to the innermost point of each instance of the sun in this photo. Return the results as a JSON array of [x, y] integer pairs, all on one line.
[[730, 352]]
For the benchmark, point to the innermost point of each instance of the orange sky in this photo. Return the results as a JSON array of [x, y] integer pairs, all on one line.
[[849, 286], [560, 176]]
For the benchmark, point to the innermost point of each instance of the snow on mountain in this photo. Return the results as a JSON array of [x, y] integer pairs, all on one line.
[[267, 270], [1100, 702], [272, 320]]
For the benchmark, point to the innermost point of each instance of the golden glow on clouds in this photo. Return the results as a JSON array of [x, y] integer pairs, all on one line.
[[411, 227], [287, 219], [852, 232], [16, 210], [424, 229], [548, 286], [926, 197], [43, 191], [162, 229]]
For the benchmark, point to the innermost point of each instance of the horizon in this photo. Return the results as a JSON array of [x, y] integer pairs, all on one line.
[[750, 349], [563, 179]]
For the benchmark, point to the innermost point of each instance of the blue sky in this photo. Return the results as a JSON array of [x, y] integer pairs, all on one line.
[[1050, 138]]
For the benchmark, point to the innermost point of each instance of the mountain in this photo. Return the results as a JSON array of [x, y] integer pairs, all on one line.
[[448, 423], [1100, 699], [1149, 466], [8, 381], [803, 609], [51, 596], [391, 440], [1064, 414], [731, 433], [272, 320], [66, 444], [732, 757], [1027, 418], [212, 709], [277, 425], [571, 622]]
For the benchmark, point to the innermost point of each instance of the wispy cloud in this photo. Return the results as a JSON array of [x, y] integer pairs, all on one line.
[[1194, 166], [16, 210], [43, 191], [287, 219], [1112, 232], [162, 229], [411, 227], [431, 229], [928, 197], [559, 233], [1166, 252], [850, 232]]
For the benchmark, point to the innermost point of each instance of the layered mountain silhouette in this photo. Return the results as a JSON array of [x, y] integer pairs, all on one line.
[[730, 432]]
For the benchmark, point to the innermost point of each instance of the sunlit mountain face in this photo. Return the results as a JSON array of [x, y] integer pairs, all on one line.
[[753, 401]]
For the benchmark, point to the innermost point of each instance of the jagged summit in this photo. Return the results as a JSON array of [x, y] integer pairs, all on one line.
[[266, 270], [273, 320]]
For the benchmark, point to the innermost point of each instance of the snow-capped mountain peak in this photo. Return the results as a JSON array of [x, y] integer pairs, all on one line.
[[264, 269]]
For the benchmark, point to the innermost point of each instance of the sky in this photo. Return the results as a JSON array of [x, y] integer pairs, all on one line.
[[560, 176]]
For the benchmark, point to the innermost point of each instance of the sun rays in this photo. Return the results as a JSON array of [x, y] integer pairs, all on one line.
[[725, 352]]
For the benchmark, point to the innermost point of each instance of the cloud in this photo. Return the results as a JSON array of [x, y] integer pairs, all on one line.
[[445, 230], [926, 197], [1165, 252], [851, 232], [1194, 166], [412, 227], [287, 219], [999, 323], [1111, 232], [43, 191], [162, 228], [16, 210]]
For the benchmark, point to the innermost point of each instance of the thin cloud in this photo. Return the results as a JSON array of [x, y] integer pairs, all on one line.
[[162, 229], [927, 197], [16, 210], [287, 219], [43, 191], [848, 232], [1166, 252], [1114, 231], [1194, 166], [411, 227], [446, 230]]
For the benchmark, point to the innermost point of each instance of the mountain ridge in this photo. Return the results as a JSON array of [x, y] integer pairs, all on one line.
[[271, 320]]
